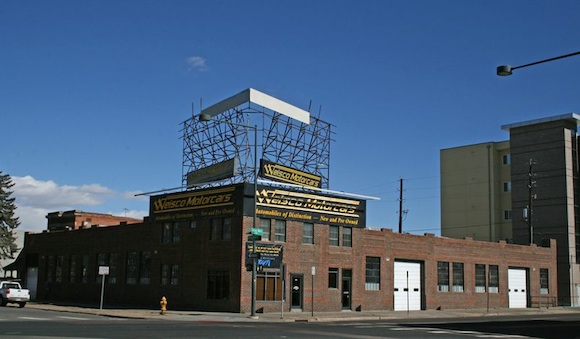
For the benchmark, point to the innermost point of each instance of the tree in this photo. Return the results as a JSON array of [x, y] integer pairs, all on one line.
[[8, 222]]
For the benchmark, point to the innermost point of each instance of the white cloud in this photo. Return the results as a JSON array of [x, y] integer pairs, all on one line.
[[36, 198], [196, 63], [47, 194]]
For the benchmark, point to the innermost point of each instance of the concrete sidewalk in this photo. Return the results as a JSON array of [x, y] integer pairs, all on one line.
[[297, 316]]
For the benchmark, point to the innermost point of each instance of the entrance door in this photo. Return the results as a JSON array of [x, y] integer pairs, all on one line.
[[296, 294], [346, 289]]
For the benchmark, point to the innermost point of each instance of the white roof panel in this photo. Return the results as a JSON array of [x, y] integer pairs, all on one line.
[[262, 99]]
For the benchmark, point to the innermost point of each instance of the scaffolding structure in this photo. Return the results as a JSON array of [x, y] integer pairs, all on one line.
[[281, 139]]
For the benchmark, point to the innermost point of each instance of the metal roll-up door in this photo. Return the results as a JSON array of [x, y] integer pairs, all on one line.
[[517, 288], [407, 286]]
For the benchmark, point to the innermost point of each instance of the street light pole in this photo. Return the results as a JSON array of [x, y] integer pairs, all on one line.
[[505, 70], [205, 118]]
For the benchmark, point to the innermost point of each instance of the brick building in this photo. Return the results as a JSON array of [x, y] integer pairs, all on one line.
[[193, 248]]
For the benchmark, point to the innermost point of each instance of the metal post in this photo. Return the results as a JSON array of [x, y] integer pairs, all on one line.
[[102, 290], [487, 285], [531, 201], [254, 282]]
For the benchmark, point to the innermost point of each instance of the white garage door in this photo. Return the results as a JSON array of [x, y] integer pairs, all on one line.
[[517, 288], [407, 286]]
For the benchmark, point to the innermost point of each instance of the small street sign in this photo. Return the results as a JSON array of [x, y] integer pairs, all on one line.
[[257, 231], [254, 237]]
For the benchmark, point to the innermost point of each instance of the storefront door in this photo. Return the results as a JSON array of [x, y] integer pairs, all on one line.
[[346, 289], [296, 294]]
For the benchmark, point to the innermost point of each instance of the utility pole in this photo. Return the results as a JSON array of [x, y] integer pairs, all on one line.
[[401, 211], [531, 197]]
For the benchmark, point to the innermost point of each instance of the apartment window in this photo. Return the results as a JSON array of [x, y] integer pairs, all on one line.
[[347, 236], [507, 186], [458, 277], [218, 284], [268, 286], [506, 159], [308, 233], [333, 236], [479, 278], [493, 279], [373, 274], [442, 276], [58, 271], [169, 274], [214, 229], [170, 232], [507, 215], [265, 226], [333, 277], [544, 281], [280, 230], [72, 274]]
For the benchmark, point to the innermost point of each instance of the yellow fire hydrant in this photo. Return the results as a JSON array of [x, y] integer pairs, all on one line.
[[163, 304]]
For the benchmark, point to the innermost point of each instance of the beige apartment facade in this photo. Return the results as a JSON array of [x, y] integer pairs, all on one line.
[[524, 190], [476, 192]]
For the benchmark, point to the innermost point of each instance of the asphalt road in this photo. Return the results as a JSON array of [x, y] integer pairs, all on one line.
[[30, 323]]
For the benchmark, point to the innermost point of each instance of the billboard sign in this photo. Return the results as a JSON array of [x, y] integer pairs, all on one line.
[[223, 170], [287, 174]]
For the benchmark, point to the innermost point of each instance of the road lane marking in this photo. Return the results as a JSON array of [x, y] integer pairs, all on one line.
[[73, 318], [33, 318]]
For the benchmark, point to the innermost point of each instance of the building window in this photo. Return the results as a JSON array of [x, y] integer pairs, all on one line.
[[169, 274], [72, 273], [220, 229], [280, 231], [493, 279], [332, 277], [506, 159], [507, 215], [479, 278], [544, 281], [112, 278], [214, 231], [132, 268], [265, 226], [458, 280], [218, 284], [85, 268], [102, 259], [268, 286], [442, 276], [308, 233], [507, 186], [373, 274], [347, 236], [333, 236], [227, 229], [50, 268], [170, 232], [145, 268], [58, 271]]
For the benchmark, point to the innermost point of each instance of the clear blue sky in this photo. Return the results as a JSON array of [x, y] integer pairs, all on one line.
[[92, 92]]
